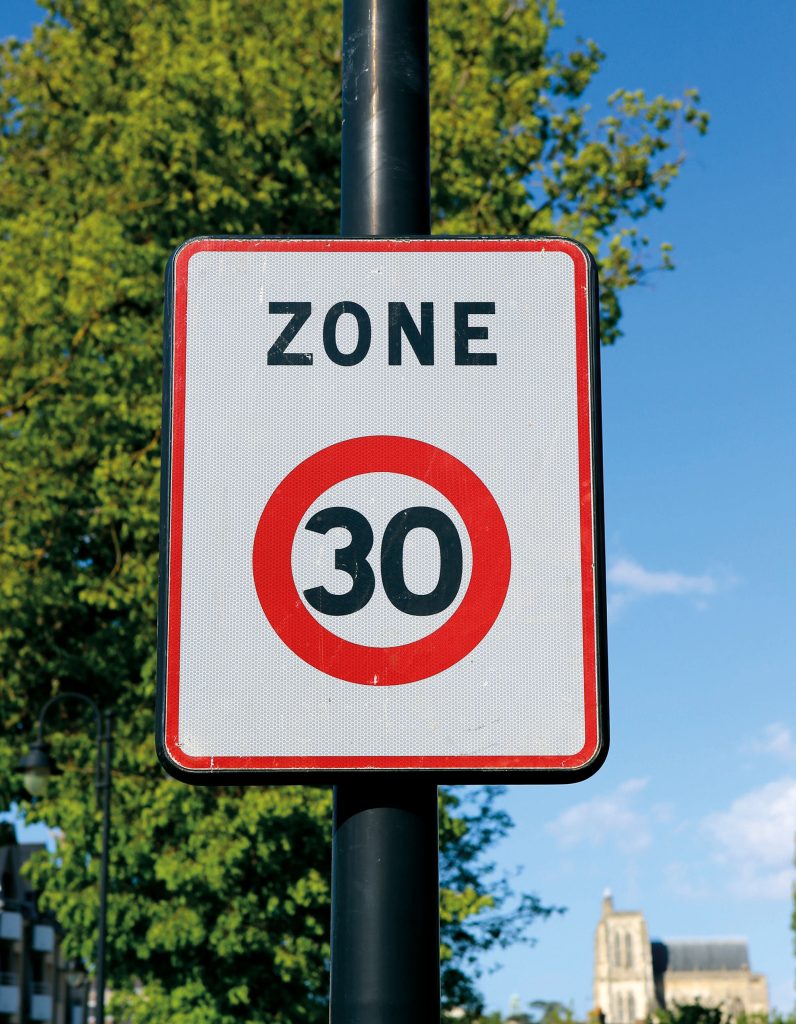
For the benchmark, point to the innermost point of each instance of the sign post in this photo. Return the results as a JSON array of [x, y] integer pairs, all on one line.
[[385, 966], [381, 533]]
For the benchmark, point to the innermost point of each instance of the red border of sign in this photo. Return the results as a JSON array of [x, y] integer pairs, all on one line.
[[463, 763]]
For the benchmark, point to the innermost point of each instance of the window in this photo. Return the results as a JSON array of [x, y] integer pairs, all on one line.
[[8, 889], [628, 950], [617, 950], [631, 1007]]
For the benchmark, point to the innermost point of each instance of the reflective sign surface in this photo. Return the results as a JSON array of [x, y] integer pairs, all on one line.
[[382, 527]]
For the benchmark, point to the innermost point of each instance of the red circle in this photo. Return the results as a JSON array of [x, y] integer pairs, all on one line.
[[357, 663]]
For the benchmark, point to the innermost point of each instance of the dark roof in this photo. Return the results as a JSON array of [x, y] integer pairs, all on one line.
[[707, 955]]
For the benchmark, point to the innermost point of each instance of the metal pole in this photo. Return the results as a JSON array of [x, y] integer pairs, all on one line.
[[385, 865], [385, 176], [105, 786], [385, 904]]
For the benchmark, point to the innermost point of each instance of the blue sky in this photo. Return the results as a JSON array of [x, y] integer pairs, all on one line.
[[692, 817]]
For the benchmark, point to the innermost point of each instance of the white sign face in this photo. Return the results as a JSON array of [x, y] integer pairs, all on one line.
[[382, 509]]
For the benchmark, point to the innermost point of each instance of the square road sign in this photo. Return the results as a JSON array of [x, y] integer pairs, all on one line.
[[382, 543]]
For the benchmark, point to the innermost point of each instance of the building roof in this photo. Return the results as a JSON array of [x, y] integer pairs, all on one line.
[[707, 955]]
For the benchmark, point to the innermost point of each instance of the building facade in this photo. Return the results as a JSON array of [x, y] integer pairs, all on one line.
[[633, 976], [33, 982]]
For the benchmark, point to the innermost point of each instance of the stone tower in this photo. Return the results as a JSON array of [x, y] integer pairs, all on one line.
[[623, 982]]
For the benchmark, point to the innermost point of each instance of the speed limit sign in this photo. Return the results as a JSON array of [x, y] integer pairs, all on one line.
[[381, 520]]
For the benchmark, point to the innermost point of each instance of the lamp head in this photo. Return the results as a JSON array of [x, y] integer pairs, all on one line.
[[37, 766], [76, 973]]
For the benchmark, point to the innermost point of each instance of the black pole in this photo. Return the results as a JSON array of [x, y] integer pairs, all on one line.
[[385, 871], [385, 175], [105, 787], [385, 904]]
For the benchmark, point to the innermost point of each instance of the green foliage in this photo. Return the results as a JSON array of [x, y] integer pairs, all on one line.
[[478, 908], [774, 1017], [550, 1013], [543, 1012], [127, 127], [515, 150], [689, 1013], [539, 1011], [696, 1013]]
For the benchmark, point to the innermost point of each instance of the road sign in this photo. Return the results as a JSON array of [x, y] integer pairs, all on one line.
[[382, 524]]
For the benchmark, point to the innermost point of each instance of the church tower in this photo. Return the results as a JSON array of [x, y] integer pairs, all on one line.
[[623, 983]]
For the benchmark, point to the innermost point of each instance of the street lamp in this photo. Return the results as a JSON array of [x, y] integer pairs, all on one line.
[[37, 767], [76, 976], [75, 972]]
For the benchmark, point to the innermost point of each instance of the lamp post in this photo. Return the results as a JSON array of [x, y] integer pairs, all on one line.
[[76, 976], [38, 766]]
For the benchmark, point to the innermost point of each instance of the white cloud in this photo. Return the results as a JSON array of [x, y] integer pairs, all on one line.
[[754, 840], [630, 575], [628, 581], [613, 818], [775, 740]]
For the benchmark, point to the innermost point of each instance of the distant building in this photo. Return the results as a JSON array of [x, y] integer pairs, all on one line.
[[33, 981], [633, 976]]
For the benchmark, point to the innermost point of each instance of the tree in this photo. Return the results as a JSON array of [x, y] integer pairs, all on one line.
[[479, 910], [545, 1012], [127, 127], [688, 1013], [540, 1011], [696, 1013]]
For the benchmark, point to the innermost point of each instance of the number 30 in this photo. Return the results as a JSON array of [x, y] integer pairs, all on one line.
[[352, 559]]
